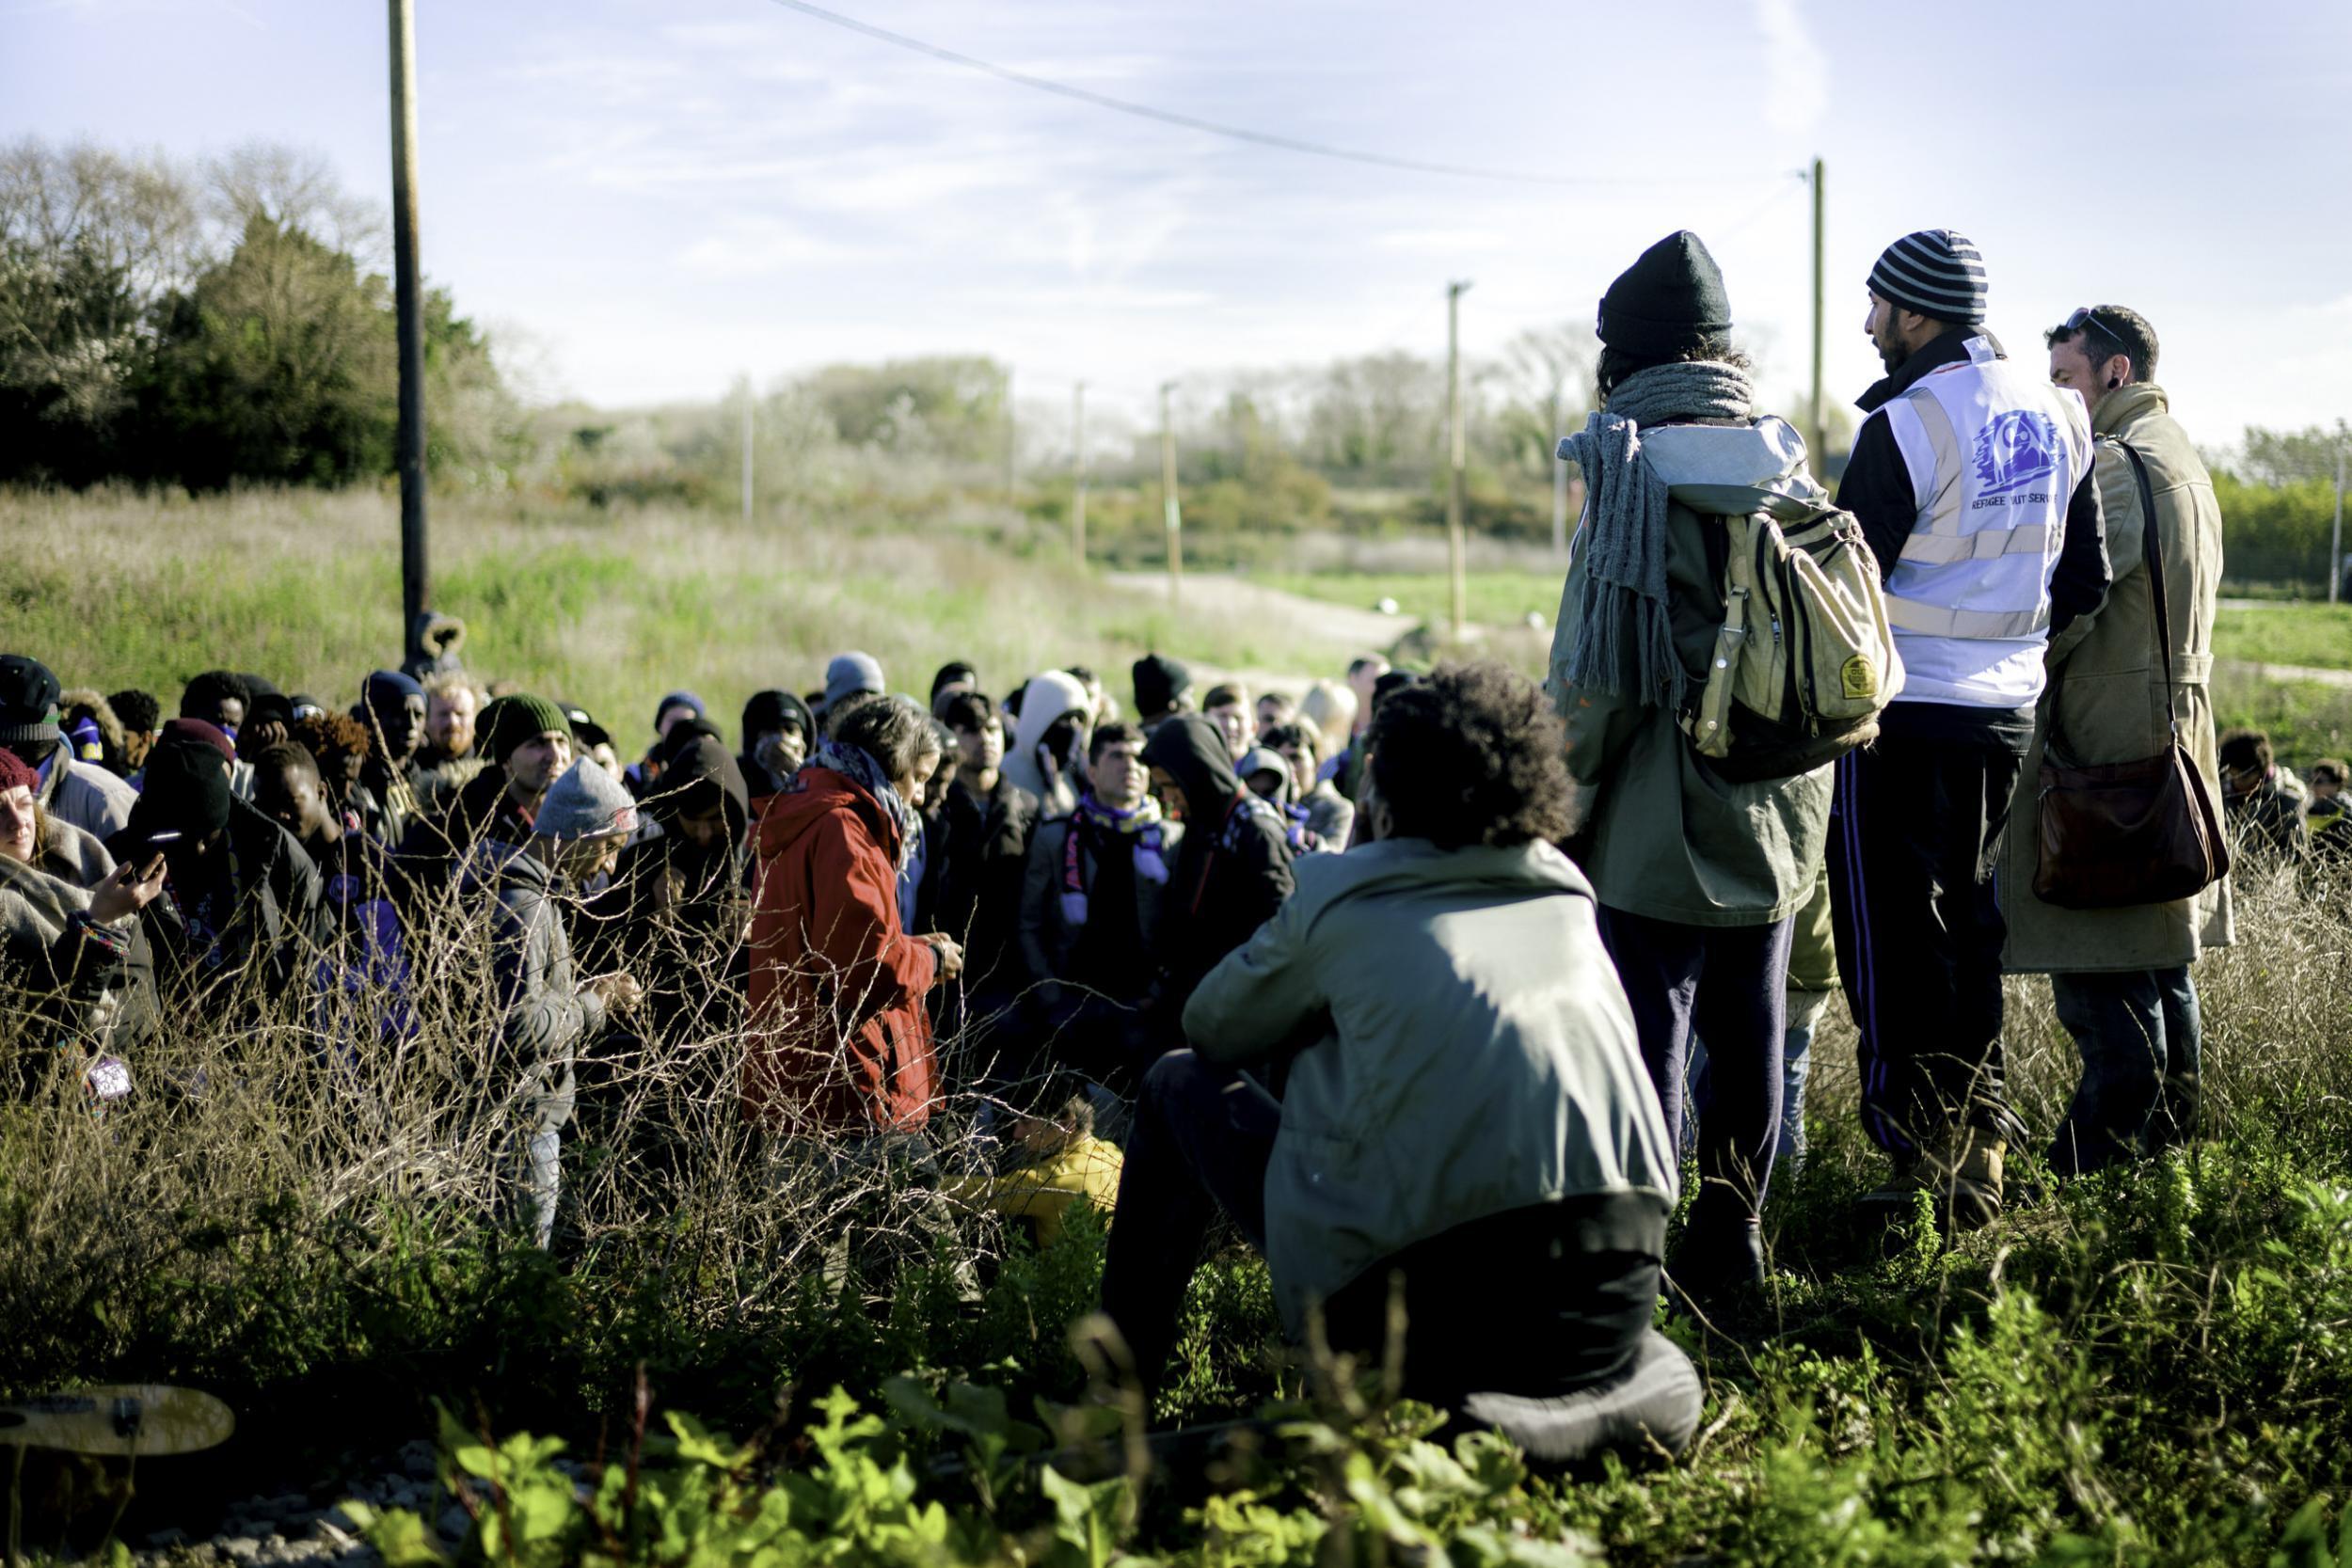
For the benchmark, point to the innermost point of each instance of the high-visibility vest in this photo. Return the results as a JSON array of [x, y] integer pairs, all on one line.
[[1994, 454]]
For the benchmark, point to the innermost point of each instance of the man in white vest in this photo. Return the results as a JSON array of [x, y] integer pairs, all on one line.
[[1972, 479]]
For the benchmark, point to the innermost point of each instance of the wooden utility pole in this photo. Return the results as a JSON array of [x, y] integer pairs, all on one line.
[[1457, 548], [1558, 467], [1171, 516], [1817, 433], [1078, 464], [747, 447], [2335, 549], [407, 302]]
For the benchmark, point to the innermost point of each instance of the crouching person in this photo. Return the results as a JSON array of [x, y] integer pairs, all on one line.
[[1464, 1102], [548, 1013]]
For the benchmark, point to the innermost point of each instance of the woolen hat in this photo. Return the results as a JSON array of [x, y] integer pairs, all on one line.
[[1160, 682], [185, 791], [384, 690], [509, 722], [584, 726], [16, 774], [679, 699], [586, 802], [851, 674], [195, 732], [1669, 300], [28, 701], [1935, 272]]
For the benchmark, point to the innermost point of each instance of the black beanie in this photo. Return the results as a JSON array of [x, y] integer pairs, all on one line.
[[1159, 682], [186, 790], [1669, 300], [28, 701]]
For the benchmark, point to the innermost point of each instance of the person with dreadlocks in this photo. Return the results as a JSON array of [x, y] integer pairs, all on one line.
[[1698, 878]]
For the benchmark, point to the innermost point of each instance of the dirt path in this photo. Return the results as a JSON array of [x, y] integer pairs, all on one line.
[[1357, 631], [2340, 679]]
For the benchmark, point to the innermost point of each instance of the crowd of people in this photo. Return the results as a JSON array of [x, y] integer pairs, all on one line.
[[1423, 981]]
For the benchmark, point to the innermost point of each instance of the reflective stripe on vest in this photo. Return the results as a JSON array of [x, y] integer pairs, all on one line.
[[1978, 624]]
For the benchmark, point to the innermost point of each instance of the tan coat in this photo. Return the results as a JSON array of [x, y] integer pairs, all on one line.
[[2111, 704]]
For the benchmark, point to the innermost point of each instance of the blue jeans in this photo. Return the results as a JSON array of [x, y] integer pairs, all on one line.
[[2139, 1035], [1796, 1065]]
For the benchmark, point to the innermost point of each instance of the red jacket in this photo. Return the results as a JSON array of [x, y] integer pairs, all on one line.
[[841, 1041]]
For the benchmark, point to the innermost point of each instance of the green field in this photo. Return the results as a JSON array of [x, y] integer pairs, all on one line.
[[2315, 636], [1503, 598]]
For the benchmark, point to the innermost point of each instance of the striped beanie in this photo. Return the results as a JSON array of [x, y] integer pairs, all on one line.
[[1936, 271]]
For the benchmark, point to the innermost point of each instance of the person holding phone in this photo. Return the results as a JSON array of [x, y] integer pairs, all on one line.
[[70, 949]]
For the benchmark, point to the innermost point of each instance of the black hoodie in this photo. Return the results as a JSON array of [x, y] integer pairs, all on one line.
[[1234, 870], [771, 711]]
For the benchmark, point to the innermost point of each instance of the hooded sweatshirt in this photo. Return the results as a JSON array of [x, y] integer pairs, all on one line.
[[1048, 699], [765, 711], [1234, 865], [841, 1040]]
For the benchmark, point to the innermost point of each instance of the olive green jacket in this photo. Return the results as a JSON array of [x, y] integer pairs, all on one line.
[[1464, 1049], [1668, 838], [2106, 700]]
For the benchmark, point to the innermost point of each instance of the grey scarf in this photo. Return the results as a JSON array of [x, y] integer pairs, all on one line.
[[1624, 640], [858, 766]]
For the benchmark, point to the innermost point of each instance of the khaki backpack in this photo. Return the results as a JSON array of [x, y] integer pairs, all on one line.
[[1805, 661]]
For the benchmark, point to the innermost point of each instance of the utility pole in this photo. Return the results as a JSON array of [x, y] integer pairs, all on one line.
[[2335, 549], [1457, 548], [1013, 436], [1078, 461], [1558, 467], [1173, 518], [747, 445], [414, 591], [1816, 435]]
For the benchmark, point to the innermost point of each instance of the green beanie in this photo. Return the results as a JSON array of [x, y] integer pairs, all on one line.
[[508, 721]]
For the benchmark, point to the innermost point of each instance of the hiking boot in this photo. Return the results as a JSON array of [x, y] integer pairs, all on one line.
[[1715, 1263], [1961, 1171]]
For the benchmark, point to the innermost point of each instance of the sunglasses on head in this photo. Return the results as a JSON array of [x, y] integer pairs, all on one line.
[[2087, 315]]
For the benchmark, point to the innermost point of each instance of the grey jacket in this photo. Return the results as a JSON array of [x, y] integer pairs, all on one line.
[[1468, 1051], [86, 796], [546, 1015]]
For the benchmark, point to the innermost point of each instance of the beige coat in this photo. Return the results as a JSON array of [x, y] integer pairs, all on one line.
[[2110, 706]]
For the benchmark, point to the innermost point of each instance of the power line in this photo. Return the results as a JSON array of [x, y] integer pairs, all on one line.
[[1238, 132]]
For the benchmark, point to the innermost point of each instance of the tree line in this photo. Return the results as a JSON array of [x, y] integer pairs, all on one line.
[[225, 321]]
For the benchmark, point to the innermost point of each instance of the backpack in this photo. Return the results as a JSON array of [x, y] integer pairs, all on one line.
[[1805, 661]]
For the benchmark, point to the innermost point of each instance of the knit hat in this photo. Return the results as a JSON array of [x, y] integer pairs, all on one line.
[[195, 732], [16, 774], [586, 802], [187, 791], [1670, 299], [1160, 684], [677, 699], [509, 722], [28, 701], [770, 710], [268, 706], [301, 705], [584, 726], [851, 674], [384, 690], [1935, 272]]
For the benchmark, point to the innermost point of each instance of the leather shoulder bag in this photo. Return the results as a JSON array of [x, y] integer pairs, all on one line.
[[2126, 834]]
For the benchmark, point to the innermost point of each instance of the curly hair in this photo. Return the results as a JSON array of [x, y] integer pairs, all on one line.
[[330, 737], [1615, 364], [1472, 754]]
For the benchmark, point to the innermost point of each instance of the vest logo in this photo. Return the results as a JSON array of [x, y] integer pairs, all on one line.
[[1859, 679], [2017, 447]]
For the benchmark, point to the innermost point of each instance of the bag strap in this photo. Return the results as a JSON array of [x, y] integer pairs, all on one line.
[[2152, 556]]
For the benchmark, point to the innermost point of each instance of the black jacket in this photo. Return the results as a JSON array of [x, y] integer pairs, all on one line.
[[270, 934], [675, 914], [980, 854], [1877, 490], [1234, 869]]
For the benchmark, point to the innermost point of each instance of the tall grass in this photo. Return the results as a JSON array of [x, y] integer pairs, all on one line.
[[608, 609]]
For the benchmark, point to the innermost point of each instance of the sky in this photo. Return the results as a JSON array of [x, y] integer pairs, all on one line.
[[646, 200]]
